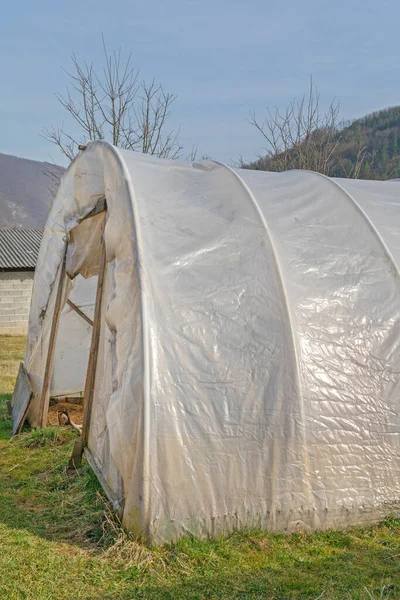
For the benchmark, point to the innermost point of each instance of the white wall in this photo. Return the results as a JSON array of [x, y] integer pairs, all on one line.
[[15, 299]]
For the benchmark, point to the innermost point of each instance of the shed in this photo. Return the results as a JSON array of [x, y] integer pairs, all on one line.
[[245, 350], [19, 250]]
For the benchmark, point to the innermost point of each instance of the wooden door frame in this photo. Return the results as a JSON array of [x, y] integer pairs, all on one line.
[[94, 349], [81, 442], [45, 396], [101, 206]]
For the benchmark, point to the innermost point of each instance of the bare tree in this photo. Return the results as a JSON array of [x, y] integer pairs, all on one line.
[[301, 136], [113, 104], [353, 169], [54, 173]]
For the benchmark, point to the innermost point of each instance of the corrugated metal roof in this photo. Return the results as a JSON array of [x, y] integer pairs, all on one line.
[[19, 248]]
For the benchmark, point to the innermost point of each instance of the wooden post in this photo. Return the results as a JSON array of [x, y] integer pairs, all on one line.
[[94, 348], [45, 398]]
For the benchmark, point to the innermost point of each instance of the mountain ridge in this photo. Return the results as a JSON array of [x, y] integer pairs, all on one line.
[[27, 190]]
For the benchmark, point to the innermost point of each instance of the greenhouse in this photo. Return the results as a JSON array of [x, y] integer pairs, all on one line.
[[234, 335]]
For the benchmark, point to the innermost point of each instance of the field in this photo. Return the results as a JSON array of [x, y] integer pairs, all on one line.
[[59, 540]]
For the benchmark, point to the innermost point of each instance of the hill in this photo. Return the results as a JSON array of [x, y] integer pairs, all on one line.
[[26, 191], [375, 136]]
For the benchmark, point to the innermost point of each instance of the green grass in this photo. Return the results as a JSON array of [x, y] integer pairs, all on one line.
[[58, 539]]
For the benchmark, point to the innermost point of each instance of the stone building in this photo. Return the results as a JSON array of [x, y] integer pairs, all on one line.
[[19, 249]]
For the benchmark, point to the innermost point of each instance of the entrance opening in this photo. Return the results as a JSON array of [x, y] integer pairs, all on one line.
[[71, 352], [74, 318]]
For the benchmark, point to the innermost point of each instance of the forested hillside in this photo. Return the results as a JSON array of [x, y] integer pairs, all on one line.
[[368, 148]]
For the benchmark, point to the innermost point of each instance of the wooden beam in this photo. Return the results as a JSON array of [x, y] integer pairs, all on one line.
[[101, 206], [45, 398], [21, 399], [115, 502], [80, 313], [76, 457], [94, 348]]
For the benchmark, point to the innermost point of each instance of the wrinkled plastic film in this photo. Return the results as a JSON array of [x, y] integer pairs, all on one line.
[[249, 357]]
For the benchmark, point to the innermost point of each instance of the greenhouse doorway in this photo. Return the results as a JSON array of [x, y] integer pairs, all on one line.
[[68, 384]]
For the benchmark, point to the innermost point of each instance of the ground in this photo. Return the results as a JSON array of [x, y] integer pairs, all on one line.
[[59, 539], [74, 412]]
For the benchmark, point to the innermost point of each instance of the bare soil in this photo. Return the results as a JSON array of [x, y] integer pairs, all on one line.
[[75, 412]]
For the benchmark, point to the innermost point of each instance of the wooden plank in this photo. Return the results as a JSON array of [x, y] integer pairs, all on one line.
[[115, 502], [76, 456], [94, 348], [80, 313], [101, 206], [74, 398], [45, 398], [21, 399]]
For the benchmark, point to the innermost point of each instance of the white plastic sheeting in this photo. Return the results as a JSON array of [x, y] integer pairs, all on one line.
[[73, 340], [249, 357]]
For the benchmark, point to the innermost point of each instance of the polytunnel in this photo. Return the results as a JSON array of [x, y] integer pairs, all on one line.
[[240, 358]]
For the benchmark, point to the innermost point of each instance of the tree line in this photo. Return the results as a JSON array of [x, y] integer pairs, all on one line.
[[113, 103]]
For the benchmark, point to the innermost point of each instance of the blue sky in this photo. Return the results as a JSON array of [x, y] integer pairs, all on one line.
[[221, 59]]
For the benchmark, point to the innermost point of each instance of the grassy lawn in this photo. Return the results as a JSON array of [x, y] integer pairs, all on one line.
[[58, 539]]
